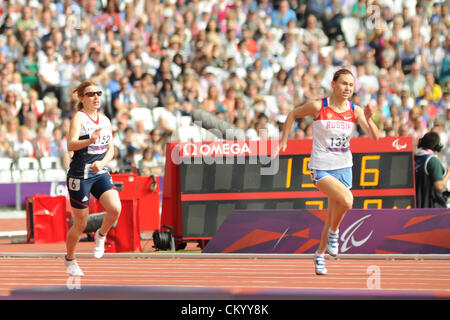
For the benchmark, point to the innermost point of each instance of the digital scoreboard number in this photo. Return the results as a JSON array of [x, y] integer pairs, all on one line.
[[204, 182]]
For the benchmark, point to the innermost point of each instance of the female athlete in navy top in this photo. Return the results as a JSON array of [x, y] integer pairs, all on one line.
[[331, 163], [90, 139]]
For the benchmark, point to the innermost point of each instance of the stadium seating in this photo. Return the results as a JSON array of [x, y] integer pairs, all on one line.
[[26, 169], [5, 170], [51, 169]]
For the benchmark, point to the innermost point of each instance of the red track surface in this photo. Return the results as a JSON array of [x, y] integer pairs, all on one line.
[[421, 276], [428, 276]]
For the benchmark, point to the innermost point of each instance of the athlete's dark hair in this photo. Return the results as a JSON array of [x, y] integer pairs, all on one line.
[[80, 91], [340, 72], [430, 141]]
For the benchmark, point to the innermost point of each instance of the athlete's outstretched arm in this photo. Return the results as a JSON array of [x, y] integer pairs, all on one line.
[[364, 119], [311, 108]]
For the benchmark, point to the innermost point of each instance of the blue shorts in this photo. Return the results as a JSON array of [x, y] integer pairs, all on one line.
[[80, 189], [343, 175]]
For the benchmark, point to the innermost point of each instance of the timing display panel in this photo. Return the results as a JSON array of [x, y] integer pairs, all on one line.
[[214, 178]]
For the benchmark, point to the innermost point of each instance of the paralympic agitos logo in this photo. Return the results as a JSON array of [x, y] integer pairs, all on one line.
[[348, 239], [396, 144]]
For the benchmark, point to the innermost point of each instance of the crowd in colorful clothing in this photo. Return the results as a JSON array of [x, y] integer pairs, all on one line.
[[247, 62]]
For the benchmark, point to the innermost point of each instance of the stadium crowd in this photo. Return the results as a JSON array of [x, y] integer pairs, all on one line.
[[248, 62]]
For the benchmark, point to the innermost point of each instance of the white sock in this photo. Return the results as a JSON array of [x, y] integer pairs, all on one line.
[[334, 233], [100, 235]]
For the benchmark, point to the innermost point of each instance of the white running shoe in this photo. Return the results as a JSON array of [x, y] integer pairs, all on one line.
[[99, 248], [319, 263], [332, 243], [73, 268]]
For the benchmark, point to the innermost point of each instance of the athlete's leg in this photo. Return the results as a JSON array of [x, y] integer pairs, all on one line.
[[326, 227], [340, 200], [80, 217], [110, 201], [339, 197]]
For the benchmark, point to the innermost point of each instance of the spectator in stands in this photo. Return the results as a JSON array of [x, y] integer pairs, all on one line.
[[41, 144], [282, 16], [13, 103], [240, 113], [12, 126], [22, 147], [27, 66], [340, 54], [36, 105], [26, 20], [149, 165], [169, 119], [5, 147], [432, 56], [313, 52], [444, 75], [144, 94], [359, 50], [30, 121], [415, 80], [8, 71], [157, 142], [212, 102], [313, 31], [167, 90], [359, 9], [229, 102], [333, 14], [53, 119], [434, 92], [49, 77], [11, 48], [141, 135], [123, 100], [282, 87], [58, 147]]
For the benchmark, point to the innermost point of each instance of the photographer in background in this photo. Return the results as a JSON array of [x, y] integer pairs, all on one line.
[[431, 174]]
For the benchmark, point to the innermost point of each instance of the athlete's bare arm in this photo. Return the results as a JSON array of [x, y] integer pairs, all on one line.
[[311, 108], [364, 119]]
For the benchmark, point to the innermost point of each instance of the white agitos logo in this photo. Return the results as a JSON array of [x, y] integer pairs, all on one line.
[[347, 235], [396, 144]]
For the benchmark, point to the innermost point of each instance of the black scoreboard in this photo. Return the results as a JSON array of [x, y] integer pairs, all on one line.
[[204, 182]]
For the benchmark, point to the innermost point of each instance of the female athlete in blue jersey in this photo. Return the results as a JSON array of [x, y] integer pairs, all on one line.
[[90, 139]]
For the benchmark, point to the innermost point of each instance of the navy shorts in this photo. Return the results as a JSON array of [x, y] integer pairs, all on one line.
[[343, 175], [80, 189]]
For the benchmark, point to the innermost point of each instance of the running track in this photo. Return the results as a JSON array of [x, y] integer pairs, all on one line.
[[36, 266], [232, 273]]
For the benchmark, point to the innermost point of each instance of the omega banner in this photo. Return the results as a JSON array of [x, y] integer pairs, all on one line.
[[369, 231]]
